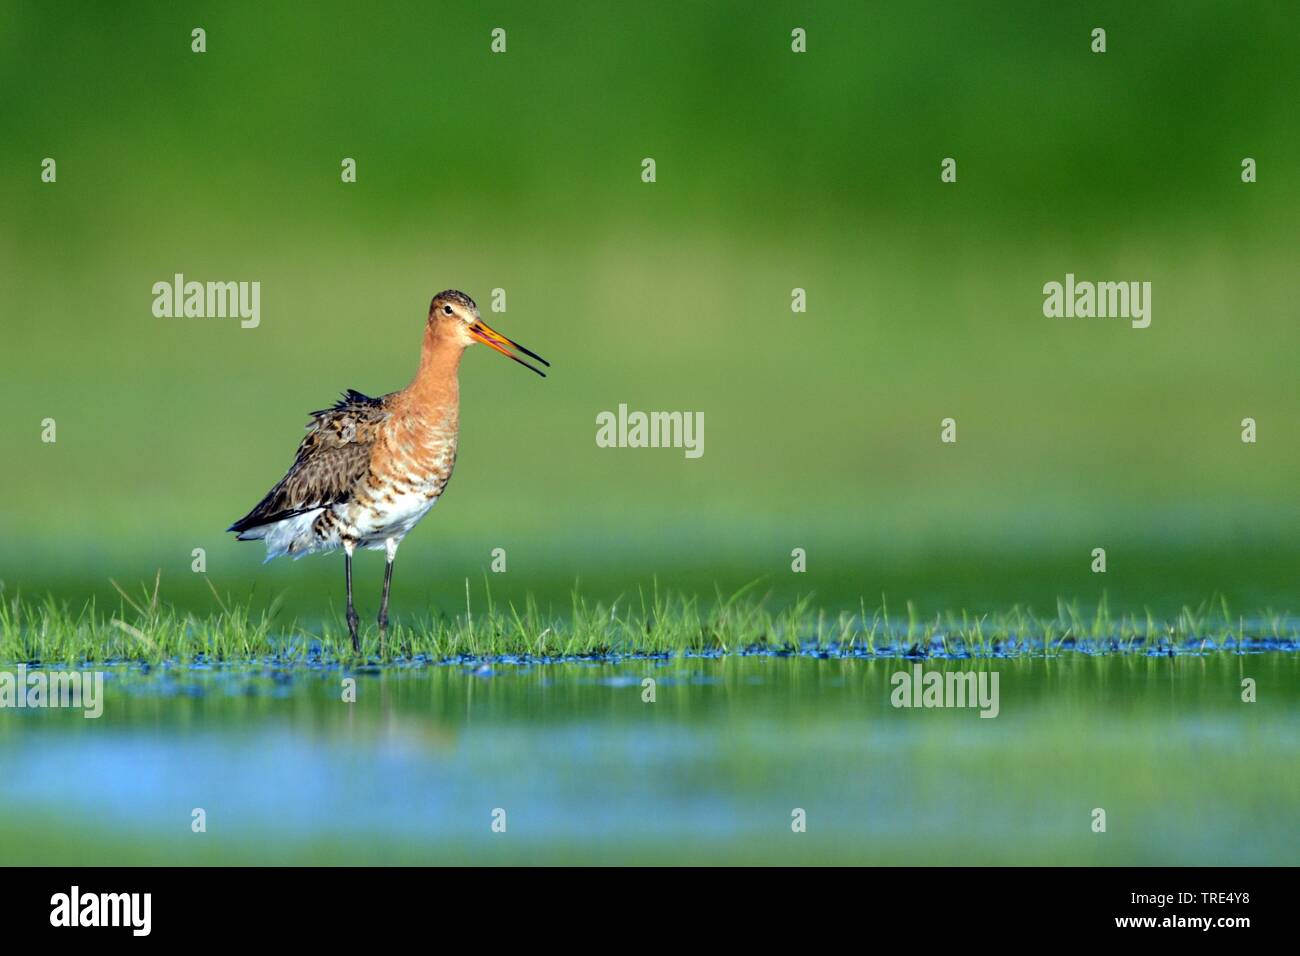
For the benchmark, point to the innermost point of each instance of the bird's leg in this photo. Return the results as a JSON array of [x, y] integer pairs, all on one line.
[[388, 582], [352, 611]]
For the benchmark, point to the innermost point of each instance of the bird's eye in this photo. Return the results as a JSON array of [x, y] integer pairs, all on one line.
[[446, 310]]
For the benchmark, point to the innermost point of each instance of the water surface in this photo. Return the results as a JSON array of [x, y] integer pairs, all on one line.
[[712, 770]]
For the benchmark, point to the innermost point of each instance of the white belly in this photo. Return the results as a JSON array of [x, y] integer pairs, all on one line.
[[377, 522]]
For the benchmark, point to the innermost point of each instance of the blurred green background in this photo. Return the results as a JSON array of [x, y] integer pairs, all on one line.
[[775, 170]]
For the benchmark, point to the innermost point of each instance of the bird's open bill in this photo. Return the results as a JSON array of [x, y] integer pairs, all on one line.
[[490, 337]]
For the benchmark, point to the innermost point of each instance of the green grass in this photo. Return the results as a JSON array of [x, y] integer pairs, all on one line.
[[145, 628]]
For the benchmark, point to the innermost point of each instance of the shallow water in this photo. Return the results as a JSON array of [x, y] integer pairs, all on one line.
[[712, 770]]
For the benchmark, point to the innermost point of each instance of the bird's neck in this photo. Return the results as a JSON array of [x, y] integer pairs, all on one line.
[[436, 384]]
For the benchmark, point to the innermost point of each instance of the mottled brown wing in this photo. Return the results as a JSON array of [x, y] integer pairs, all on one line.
[[333, 457]]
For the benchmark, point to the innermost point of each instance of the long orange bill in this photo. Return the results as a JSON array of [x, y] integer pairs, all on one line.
[[495, 340]]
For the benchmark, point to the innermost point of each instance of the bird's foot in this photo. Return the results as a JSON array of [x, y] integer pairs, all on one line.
[[353, 620]]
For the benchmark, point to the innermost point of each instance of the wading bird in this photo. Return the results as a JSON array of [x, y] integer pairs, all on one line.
[[370, 468]]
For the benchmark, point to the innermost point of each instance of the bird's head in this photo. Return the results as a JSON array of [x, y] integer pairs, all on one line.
[[454, 313]]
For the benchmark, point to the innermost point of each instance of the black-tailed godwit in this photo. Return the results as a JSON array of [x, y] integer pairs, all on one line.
[[370, 468]]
